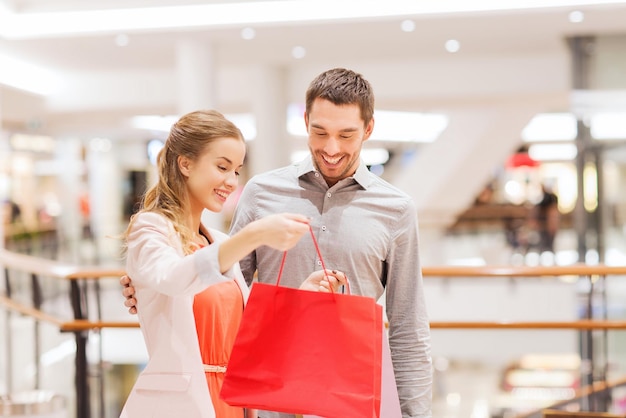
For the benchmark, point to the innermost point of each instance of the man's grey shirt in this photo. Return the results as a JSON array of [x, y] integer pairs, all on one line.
[[366, 228]]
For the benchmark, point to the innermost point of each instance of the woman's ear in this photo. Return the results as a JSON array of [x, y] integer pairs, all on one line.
[[184, 165]]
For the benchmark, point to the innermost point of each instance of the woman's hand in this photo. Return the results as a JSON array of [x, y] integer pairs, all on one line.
[[319, 282], [281, 231]]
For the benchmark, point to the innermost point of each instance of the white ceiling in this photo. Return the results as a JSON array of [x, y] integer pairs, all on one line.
[[505, 32], [511, 65], [367, 41]]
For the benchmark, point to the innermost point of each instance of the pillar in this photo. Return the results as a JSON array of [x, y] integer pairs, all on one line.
[[271, 148], [196, 80]]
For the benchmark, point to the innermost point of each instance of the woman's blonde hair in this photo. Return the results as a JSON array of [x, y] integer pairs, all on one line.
[[189, 137]]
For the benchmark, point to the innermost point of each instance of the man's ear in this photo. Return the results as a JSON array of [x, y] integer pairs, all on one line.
[[369, 128], [184, 165]]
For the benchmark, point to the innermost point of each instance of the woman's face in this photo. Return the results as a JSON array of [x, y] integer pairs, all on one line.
[[215, 174]]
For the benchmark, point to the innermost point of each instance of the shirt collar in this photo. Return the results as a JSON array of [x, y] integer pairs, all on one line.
[[362, 175]]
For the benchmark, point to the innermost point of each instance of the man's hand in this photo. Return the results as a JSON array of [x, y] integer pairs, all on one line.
[[129, 294]]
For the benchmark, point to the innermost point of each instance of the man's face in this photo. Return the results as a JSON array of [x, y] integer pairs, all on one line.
[[336, 136]]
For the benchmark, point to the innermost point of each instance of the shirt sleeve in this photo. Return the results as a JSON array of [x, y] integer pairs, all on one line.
[[155, 260], [409, 329], [243, 215]]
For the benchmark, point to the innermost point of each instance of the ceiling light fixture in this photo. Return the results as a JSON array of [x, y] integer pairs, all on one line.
[[576, 16], [246, 122], [122, 40], [553, 152], [370, 156], [452, 46], [551, 127], [298, 52], [24, 76], [248, 33], [407, 25], [391, 125], [67, 23], [608, 125]]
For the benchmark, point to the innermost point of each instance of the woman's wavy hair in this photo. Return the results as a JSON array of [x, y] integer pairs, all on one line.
[[189, 137]]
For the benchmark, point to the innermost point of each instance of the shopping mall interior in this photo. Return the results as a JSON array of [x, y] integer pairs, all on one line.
[[486, 114]]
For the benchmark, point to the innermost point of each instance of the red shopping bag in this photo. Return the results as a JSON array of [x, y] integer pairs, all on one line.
[[389, 400], [306, 352]]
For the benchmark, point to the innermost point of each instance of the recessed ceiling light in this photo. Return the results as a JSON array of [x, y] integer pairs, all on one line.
[[452, 45], [608, 125], [551, 127], [576, 16], [407, 25], [391, 126], [223, 13], [553, 152], [248, 33], [122, 40], [298, 52], [370, 156], [25, 76]]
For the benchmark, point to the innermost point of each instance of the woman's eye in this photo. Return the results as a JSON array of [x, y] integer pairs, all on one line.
[[222, 168]]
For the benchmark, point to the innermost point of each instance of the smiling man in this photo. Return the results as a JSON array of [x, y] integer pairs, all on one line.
[[366, 227]]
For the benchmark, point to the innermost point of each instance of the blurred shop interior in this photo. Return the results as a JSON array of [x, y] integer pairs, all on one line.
[[504, 121]]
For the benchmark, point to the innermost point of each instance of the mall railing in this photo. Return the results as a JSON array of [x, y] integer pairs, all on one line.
[[19, 268], [595, 393], [85, 279], [597, 389]]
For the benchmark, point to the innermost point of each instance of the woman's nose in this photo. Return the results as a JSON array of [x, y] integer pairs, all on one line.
[[232, 180]]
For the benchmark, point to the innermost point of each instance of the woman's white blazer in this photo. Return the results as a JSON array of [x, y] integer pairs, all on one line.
[[173, 383]]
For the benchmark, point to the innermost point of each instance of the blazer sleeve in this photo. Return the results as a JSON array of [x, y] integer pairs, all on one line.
[[155, 259]]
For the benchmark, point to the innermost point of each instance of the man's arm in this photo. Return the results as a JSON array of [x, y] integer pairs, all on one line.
[[409, 330]]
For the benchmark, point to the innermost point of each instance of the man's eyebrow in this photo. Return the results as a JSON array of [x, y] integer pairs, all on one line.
[[316, 126]]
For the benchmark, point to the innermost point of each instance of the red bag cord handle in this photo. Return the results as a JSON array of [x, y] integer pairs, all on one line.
[[317, 248]]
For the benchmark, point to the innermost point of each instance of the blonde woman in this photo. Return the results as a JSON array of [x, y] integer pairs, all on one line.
[[190, 293]]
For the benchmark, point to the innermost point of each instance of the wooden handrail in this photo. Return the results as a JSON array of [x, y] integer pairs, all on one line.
[[58, 269], [55, 269], [30, 311], [596, 387], [548, 413], [523, 271], [62, 324], [75, 273], [84, 325], [584, 324]]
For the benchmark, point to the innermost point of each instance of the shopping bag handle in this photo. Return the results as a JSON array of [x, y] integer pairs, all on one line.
[[319, 254]]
